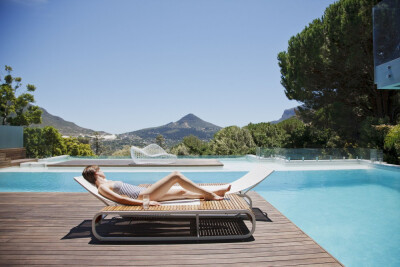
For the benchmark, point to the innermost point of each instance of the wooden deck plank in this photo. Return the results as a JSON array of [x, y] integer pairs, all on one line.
[[55, 229]]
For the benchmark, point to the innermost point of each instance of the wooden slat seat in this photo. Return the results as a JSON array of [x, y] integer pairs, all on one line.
[[230, 202]]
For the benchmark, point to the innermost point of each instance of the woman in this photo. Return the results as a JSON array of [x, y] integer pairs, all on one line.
[[128, 194]]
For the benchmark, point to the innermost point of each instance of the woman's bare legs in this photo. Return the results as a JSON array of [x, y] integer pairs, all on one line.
[[173, 194], [161, 189]]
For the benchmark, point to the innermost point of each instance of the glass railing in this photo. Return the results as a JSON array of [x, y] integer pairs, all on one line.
[[320, 153]]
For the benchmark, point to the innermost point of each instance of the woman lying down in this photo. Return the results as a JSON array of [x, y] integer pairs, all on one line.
[[162, 190]]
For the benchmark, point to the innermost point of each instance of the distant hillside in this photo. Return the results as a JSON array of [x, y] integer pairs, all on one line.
[[288, 113], [175, 131], [64, 127]]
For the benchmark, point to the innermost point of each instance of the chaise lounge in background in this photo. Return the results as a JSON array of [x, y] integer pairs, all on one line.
[[151, 154]]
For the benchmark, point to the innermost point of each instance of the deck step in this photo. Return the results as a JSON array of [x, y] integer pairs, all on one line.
[[17, 162], [5, 162]]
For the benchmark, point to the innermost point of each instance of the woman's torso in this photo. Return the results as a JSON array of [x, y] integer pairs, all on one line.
[[129, 190]]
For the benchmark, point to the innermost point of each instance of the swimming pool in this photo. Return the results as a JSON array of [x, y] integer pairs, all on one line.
[[354, 214]]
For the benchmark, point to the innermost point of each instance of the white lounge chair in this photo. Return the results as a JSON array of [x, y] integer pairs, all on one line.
[[240, 186], [151, 154], [233, 204]]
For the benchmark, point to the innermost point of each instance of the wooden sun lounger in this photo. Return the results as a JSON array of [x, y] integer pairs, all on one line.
[[233, 206]]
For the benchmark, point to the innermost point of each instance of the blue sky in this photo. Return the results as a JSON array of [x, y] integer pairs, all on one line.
[[124, 65]]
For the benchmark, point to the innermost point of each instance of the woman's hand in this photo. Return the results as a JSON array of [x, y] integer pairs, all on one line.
[[154, 203]]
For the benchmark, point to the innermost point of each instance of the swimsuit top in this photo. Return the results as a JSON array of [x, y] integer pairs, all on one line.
[[129, 190]]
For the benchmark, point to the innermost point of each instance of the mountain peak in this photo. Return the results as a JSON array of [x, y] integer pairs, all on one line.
[[189, 118], [189, 124]]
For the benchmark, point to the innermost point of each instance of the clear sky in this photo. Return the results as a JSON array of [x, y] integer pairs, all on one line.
[[124, 65]]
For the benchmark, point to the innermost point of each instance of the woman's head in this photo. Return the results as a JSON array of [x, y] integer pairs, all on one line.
[[89, 173]]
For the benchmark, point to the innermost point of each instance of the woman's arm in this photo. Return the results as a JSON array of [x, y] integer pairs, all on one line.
[[110, 194]]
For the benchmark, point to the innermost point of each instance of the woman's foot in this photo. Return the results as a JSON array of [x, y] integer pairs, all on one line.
[[212, 196], [223, 191]]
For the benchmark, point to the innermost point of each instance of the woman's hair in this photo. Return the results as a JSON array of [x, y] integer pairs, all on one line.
[[89, 173]]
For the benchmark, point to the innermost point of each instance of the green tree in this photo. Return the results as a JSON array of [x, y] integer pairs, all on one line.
[[295, 130], [125, 151], [314, 137], [33, 142], [392, 143], [329, 67], [16, 108], [190, 145], [74, 147], [232, 140], [98, 146], [268, 135], [195, 145], [44, 142], [53, 142], [160, 140], [180, 150], [48, 142]]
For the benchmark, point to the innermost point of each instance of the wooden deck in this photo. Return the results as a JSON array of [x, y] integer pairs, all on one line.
[[55, 229], [130, 163]]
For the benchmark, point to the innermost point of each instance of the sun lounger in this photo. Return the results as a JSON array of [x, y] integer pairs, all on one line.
[[151, 154], [234, 204]]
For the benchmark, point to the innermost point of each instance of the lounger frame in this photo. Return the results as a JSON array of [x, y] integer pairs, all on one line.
[[238, 207]]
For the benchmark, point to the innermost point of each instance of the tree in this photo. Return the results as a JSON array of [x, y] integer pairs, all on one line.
[[48, 142], [125, 151], [392, 143], [17, 109], [329, 67], [232, 140], [40, 143], [295, 130], [190, 145], [53, 141], [180, 150], [98, 147], [195, 145], [160, 140], [74, 147], [33, 142], [267, 135]]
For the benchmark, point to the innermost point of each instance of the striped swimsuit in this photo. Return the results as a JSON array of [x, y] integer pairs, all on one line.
[[129, 190]]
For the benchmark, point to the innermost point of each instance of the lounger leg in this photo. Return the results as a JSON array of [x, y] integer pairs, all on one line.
[[96, 221], [250, 201], [253, 222]]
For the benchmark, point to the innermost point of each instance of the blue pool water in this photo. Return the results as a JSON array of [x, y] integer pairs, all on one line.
[[353, 214]]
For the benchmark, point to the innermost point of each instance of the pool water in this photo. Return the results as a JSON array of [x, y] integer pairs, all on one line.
[[354, 215]]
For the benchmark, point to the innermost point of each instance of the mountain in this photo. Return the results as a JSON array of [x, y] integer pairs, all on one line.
[[175, 131], [288, 113], [66, 128]]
